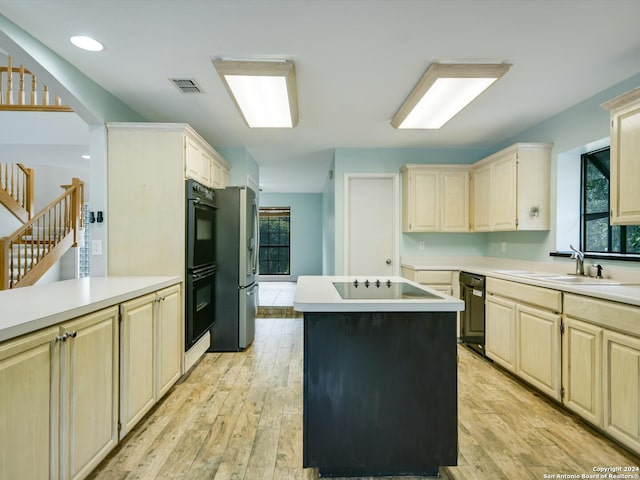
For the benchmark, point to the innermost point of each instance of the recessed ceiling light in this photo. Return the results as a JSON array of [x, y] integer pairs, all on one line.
[[86, 157], [87, 43]]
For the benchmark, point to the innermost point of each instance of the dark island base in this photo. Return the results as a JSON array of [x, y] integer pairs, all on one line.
[[380, 393]]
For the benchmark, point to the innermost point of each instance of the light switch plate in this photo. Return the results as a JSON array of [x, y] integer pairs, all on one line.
[[96, 247]]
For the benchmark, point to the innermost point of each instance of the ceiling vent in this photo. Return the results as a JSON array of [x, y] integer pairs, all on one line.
[[186, 85]]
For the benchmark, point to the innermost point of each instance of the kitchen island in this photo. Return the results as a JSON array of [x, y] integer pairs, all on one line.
[[380, 376]]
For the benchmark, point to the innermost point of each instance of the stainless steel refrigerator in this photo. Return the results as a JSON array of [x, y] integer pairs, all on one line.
[[236, 286]]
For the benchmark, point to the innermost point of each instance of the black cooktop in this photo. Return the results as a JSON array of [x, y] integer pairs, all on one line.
[[380, 290]]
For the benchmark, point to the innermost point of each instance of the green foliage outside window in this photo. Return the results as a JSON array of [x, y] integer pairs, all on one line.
[[597, 234]]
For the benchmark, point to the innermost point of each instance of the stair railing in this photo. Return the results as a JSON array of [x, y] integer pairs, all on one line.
[[16, 190], [10, 101], [30, 251]]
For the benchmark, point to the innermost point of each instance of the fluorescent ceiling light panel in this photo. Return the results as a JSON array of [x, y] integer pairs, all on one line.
[[443, 91], [264, 91], [87, 43]]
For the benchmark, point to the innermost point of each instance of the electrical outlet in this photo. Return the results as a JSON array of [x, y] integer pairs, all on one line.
[[421, 245], [503, 247], [96, 247]]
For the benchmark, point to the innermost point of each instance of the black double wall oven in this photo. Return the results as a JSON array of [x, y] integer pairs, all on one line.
[[201, 261]]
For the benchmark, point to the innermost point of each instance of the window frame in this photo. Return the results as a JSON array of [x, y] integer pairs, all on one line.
[[586, 217], [279, 212]]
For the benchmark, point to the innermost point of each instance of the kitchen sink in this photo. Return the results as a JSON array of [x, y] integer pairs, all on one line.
[[575, 279]]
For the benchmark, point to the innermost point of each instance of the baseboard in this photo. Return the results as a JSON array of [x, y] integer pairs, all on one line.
[[195, 352]]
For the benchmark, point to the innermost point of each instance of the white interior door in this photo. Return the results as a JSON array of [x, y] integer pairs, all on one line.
[[372, 228]]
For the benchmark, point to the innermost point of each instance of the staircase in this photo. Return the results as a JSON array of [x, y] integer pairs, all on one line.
[[40, 242]]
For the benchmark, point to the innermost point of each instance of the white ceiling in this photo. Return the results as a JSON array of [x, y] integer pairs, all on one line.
[[356, 61]]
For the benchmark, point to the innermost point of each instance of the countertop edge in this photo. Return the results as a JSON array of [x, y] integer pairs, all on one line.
[[315, 293], [615, 293], [116, 294]]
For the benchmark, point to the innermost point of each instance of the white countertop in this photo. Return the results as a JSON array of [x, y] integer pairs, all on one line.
[[627, 292], [318, 294], [27, 309]]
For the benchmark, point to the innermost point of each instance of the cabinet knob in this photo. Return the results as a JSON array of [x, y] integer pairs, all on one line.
[[388, 262], [62, 338], [73, 334]]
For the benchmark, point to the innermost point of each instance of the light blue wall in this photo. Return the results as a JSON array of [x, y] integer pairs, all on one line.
[[329, 221], [244, 167], [573, 131], [89, 100], [306, 229], [383, 160]]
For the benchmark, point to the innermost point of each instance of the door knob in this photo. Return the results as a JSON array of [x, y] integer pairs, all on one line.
[[388, 262]]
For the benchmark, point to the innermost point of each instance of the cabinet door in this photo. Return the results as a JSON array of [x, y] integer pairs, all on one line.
[[622, 388], [625, 167], [538, 349], [424, 204], [197, 162], [169, 335], [503, 193], [28, 410], [136, 360], [90, 392], [482, 199], [582, 369], [455, 201], [500, 328]]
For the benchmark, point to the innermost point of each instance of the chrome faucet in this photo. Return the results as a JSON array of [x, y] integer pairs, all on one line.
[[579, 256]]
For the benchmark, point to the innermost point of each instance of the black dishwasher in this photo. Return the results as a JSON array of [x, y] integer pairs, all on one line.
[[472, 291]]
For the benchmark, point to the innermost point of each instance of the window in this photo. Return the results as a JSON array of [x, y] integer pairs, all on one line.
[[274, 241], [597, 235]]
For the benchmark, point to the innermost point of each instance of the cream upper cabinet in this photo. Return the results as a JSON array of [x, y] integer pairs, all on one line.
[[197, 161], [625, 158], [147, 163], [435, 198], [29, 372], [511, 189], [89, 423], [481, 206]]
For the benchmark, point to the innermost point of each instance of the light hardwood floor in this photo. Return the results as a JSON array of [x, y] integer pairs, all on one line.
[[239, 416]]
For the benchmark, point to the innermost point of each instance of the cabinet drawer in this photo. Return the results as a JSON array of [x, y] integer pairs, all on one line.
[[538, 296], [433, 277], [617, 316]]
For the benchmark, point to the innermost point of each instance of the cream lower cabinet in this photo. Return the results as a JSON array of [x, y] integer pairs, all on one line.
[[602, 365], [150, 352], [539, 349], [168, 337], [582, 369], [500, 331], [439, 280], [29, 372], [523, 332], [89, 392], [58, 398], [622, 388]]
